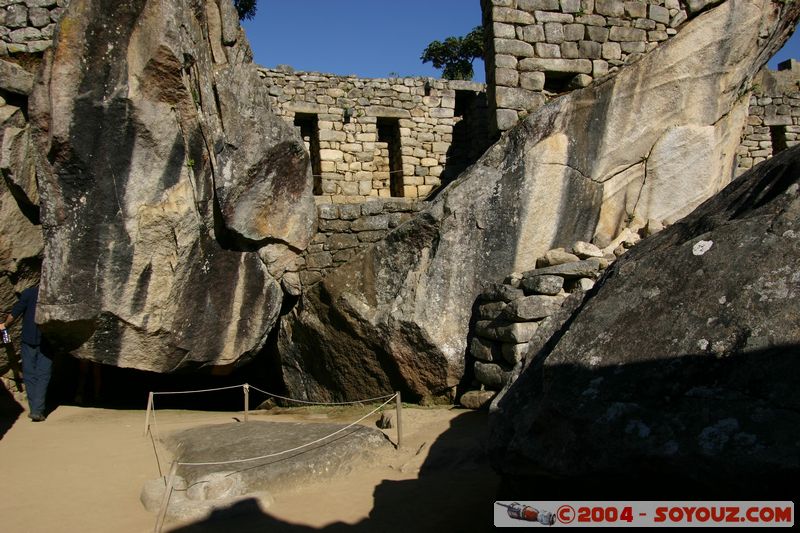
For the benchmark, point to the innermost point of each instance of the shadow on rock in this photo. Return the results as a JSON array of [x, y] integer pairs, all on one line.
[[453, 492]]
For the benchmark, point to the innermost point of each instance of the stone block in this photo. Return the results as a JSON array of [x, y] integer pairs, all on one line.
[[341, 241], [546, 50], [590, 49], [610, 8], [477, 399], [331, 155], [533, 81], [574, 32], [535, 5], [504, 31], [500, 292], [635, 9], [657, 36], [491, 375], [679, 18], [506, 61], [371, 236], [319, 260], [612, 51], [39, 17], [16, 16], [490, 310], [514, 332], [571, 6], [24, 35], [659, 14], [14, 78], [599, 68], [533, 307], [620, 34], [507, 118], [644, 24], [513, 47], [510, 15], [577, 66], [597, 34], [569, 50], [554, 32], [518, 98], [328, 211], [633, 47], [591, 20], [371, 223], [485, 350], [373, 207], [514, 353], [550, 285], [533, 33], [509, 77], [579, 81], [543, 17], [331, 135]]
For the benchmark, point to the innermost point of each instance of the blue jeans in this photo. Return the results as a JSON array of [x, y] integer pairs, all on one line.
[[36, 369]]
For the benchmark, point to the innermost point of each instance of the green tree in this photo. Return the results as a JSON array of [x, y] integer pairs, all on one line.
[[456, 54], [245, 8]]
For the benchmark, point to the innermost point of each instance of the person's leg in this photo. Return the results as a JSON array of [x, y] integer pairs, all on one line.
[[36, 369], [29, 375]]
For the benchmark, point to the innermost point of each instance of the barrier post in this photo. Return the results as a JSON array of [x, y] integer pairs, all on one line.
[[147, 413], [162, 513], [399, 407], [246, 389]]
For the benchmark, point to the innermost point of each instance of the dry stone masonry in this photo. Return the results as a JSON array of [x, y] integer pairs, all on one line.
[[520, 314], [539, 48], [393, 137], [28, 25], [346, 229], [773, 123]]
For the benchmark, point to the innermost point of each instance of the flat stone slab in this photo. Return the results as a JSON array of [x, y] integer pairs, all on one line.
[[225, 442]]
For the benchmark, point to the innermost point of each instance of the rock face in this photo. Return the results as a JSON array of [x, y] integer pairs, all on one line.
[[172, 199], [665, 127], [682, 367]]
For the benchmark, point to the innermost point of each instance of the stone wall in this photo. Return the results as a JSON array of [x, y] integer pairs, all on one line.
[[394, 137], [28, 25], [537, 49], [774, 117], [346, 229]]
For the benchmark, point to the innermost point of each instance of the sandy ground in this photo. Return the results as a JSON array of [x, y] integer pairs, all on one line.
[[83, 469]]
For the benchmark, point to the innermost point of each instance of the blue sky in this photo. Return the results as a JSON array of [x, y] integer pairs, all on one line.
[[371, 38]]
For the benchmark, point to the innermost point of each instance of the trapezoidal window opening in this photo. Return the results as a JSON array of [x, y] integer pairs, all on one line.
[[391, 153], [777, 135], [307, 125]]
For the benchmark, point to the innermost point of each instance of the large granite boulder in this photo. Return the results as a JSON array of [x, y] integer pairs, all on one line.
[[172, 199], [653, 141], [680, 372]]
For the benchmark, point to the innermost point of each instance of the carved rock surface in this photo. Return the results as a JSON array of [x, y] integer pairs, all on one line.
[[397, 317], [683, 365], [163, 175]]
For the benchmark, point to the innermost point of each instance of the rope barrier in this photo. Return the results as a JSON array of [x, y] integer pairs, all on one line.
[[276, 454], [368, 400], [200, 390]]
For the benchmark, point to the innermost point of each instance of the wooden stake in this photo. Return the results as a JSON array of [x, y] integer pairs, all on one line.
[[246, 388], [162, 513], [399, 407], [147, 413]]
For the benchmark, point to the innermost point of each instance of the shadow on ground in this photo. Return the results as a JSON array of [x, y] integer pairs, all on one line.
[[453, 492]]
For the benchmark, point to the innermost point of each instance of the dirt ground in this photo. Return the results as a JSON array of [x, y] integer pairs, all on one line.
[[82, 470]]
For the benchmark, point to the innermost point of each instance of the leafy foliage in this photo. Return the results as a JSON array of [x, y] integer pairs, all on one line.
[[245, 8], [456, 54]]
